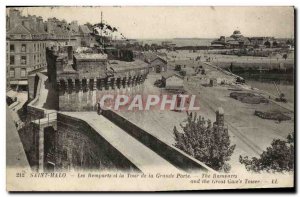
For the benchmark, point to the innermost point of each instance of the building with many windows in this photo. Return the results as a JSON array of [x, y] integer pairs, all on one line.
[[237, 40], [27, 38], [25, 47]]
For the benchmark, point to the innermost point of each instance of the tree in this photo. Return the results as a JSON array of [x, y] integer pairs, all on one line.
[[126, 55], [267, 44], [154, 47], [182, 73], [209, 144], [290, 42], [146, 47], [178, 68], [279, 157]]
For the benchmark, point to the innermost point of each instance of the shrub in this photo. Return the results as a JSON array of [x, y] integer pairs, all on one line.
[[178, 68], [279, 157], [209, 144], [182, 73]]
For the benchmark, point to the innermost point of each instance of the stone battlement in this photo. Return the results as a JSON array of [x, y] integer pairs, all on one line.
[[82, 78], [83, 95]]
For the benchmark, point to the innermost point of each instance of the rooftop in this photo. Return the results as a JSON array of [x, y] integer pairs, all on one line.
[[167, 75], [19, 29], [122, 65], [90, 56], [236, 32], [84, 29]]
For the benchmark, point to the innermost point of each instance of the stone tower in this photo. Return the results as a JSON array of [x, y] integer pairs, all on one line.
[[220, 116]]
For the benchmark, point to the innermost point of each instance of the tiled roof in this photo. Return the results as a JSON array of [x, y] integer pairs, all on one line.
[[60, 31], [150, 56], [20, 29], [90, 56], [118, 65], [41, 30], [233, 42], [167, 75], [84, 29], [161, 58]]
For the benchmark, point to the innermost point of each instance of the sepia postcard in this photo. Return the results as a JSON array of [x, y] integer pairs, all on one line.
[[150, 98]]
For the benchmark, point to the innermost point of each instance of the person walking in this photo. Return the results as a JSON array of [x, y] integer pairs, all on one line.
[[99, 109]]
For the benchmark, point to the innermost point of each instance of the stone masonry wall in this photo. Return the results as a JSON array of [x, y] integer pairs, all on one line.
[[80, 147], [84, 94], [175, 156]]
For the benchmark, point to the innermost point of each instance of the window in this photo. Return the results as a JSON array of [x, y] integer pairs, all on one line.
[[12, 60], [23, 48], [23, 60], [23, 72], [23, 36], [12, 73], [12, 48], [34, 58], [34, 46]]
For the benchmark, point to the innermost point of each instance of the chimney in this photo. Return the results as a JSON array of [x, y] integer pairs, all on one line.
[[70, 52], [33, 21], [40, 23], [26, 24], [14, 18]]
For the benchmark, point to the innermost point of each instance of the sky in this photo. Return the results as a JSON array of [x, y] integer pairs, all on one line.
[[180, 22]]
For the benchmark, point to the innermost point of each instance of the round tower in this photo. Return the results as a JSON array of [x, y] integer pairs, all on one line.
[[220, 116]]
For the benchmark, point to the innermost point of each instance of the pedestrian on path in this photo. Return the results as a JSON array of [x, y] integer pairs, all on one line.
[[99, 110]]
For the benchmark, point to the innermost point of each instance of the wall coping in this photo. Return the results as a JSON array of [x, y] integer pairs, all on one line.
[[42, 78], [166, 143]]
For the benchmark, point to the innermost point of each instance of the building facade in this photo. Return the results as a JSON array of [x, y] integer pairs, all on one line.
[[25, 49], [172, 81], [27, 38], [237, 40], [158, 65]]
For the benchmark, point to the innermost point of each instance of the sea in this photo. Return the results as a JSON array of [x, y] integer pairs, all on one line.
[[286, 86], [180, 42]]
